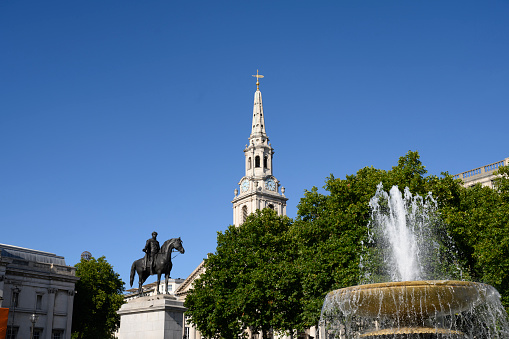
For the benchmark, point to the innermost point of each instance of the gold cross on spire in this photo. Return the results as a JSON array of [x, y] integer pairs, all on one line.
[[258, 77]]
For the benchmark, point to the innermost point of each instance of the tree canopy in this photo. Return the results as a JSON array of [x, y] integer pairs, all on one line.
[[272, 272], [249, 283], [480, 224], [99, 295], [330, 228]]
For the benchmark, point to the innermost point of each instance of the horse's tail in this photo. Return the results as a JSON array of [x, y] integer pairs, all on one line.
[[133, 270]]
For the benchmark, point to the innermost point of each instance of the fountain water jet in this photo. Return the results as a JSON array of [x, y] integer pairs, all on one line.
[[402, 299]]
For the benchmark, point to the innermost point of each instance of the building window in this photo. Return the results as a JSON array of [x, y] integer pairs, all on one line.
[[12, 332], [58, 334], [271, 206], [265, 162], [244, 213], [38, 333], [257, 161], [38, 302], [15, 297], [249, 163]]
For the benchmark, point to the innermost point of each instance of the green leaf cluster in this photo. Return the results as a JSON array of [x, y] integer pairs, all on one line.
[[99, 295]]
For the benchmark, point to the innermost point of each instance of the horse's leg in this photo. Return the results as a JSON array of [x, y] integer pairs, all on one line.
[[140, 283], [158, 282], [170, 266], [143, 277], [167, 276]]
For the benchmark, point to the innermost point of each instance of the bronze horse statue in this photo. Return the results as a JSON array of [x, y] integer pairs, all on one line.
[[162, 264]]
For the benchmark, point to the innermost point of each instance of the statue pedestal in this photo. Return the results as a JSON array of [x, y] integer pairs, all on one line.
[[152, 317]]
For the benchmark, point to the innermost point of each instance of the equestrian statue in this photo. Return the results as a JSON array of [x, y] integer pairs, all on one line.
[[157, 260]]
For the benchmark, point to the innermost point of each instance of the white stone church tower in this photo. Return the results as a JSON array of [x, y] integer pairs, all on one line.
[[258, 188]]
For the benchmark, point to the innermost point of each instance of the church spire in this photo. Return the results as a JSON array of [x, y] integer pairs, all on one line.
[[258, 127], [259, 188]]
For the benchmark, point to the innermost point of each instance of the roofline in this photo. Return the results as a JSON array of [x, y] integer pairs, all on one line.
[[30, 250], [189, 280]]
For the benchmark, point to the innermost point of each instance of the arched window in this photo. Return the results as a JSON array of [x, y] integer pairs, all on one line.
[[265, 162], [257, 161], [249, 163], [244, 213]]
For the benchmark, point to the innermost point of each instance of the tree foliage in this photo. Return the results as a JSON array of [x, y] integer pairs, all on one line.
[[99, 295], [249, 282], [331, 227], [480, 224], [274, 273]]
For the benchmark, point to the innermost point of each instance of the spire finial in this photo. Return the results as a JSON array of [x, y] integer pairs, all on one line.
[[258, 77]]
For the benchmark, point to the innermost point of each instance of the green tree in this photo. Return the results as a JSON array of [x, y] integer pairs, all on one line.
[[330, 228], [479, 222], [99, 295], [250, 281]]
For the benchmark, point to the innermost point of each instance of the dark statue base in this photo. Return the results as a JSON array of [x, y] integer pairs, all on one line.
[[152, 317]]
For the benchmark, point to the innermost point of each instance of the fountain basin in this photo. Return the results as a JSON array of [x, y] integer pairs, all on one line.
[[409, 332], [408, 299]]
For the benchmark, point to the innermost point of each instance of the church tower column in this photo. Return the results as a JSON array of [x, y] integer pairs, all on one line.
[[258, 188]]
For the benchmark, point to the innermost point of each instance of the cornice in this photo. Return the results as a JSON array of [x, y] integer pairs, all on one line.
[[258, 146], [262, 193], [44, 275]]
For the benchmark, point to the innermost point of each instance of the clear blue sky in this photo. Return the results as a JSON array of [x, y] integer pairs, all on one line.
[[119, 118]]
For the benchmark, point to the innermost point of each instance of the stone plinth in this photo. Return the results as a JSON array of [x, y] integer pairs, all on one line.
[[152, 317]]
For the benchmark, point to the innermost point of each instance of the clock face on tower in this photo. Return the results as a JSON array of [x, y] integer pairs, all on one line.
[[244, 186], [270, 184]]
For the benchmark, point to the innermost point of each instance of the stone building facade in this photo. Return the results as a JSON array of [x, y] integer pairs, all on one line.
[[481, 175], [190, 331], [40, 283]]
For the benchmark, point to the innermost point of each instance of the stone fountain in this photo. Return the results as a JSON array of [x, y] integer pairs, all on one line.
[[407, 253]]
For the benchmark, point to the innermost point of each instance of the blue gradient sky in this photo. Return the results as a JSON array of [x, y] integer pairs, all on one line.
[[119, 118]]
